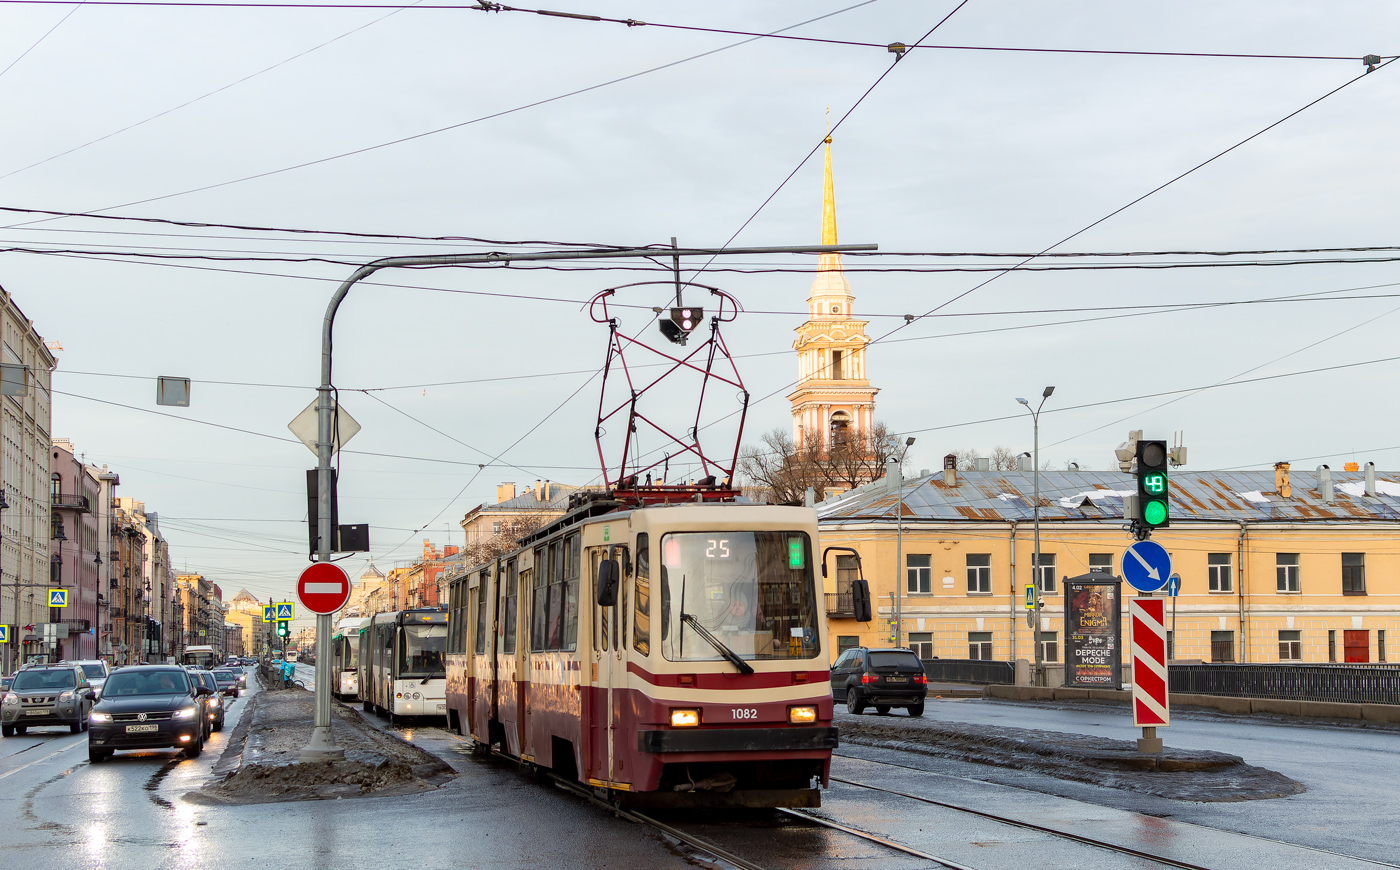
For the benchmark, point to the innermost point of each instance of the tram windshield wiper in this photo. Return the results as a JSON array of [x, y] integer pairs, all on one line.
[[730, 655]]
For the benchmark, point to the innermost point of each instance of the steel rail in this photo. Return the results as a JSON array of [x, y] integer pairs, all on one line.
[[1089, 841], [875, 838]]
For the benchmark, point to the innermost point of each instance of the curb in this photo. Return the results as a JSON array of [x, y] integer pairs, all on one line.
[[231, 759], [1236, 706]]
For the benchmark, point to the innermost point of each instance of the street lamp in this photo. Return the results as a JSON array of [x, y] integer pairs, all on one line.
[[900, 572], [1035, 558]]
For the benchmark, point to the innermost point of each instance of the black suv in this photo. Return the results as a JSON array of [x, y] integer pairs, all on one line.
[[881, 678], [149, 706], [46, 695]]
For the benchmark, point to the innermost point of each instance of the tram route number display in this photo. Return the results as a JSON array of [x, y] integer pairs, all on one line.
[[1093, 633]]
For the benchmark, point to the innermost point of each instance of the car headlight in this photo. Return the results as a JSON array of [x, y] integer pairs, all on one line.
[[685, 718], [802, 715], [100, 717], [12, 700], [66, 696], [186, 713]]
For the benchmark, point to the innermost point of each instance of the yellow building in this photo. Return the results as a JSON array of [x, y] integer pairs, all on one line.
[[1272, 570]]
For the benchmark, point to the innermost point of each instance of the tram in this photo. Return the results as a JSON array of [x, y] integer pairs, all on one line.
[[402, 668], [664, 654], [345, 657]]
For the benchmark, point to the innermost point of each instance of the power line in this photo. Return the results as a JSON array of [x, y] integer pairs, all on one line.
[[490, 116], [47, 33]]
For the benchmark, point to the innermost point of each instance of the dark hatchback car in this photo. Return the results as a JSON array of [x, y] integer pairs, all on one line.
[[148, 707], [228, 682], [880, 678], [46, 695]]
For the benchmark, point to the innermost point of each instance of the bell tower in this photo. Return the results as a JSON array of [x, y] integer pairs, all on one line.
[[834, 401]]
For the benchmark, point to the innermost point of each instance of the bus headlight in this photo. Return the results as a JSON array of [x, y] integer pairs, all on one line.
[[685, 718], [802, 715]]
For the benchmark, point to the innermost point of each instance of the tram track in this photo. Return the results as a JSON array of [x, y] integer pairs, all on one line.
[[1088, 841]]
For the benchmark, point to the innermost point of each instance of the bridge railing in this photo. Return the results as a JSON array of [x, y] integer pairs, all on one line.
[[1355, 684]]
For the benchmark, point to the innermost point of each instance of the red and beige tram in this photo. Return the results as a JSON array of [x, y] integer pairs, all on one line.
[[666, 655]]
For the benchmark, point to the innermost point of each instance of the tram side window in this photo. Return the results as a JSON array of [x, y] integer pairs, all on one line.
[[600, 614], [508, 616], [573, 550], [482, 611], [641, 619], [539, 598], [554, 612], [454, 614]]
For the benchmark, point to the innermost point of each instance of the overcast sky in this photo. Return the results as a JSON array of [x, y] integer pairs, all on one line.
[[953, 151]]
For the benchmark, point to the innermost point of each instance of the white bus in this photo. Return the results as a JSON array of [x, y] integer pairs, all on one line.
[[345, 657], [200, 657], [403, 664]]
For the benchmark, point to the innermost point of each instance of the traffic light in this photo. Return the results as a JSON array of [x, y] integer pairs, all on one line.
[[283, 628], [1152, 504], [683, 321]]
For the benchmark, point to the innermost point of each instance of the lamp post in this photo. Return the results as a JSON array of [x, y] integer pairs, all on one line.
[[900, 572], [1035, 557]]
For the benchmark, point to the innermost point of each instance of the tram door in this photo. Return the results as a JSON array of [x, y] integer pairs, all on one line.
[[606, 676]]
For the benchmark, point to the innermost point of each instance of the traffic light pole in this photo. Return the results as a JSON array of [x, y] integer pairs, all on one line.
[[322, 745]]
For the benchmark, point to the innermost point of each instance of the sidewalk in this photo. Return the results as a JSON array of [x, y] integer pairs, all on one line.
[[261, 763]]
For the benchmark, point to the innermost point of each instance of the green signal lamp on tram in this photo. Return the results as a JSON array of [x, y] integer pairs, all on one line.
[[1152, 485]]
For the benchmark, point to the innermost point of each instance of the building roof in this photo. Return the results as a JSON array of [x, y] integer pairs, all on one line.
[[558, 500], [1005, 496]]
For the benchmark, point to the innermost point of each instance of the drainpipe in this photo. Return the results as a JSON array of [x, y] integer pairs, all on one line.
[[1013, 595], [1239, 561]]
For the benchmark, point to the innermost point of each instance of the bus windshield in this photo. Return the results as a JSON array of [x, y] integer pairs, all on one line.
[[753, 592], [422, 651], [351, 655]]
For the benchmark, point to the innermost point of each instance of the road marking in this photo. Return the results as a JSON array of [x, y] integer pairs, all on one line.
[[37, 760]]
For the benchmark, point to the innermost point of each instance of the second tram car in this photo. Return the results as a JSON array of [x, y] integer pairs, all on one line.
[[666, 655], [345, 657], [402, 667]]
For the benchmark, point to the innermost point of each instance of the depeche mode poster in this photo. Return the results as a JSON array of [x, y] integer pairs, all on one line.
[[1093, 632]]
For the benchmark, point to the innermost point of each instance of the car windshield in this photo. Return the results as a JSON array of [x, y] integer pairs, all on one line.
[[226, 676], [94, 672], [40, 680], [423, 651], [895, 660], [125, 683], [752, 591]]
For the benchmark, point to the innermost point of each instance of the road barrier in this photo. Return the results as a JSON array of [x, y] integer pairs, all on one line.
[[1353, 684], [979, 671]]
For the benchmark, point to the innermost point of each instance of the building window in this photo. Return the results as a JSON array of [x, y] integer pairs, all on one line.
[[979, 572], [837, 358], [1045, 575], [1049, 646], [1331, 646], [1290, 646], [1357, 645], [1218, 567], [921, 642], [1287, 571], [1101, 562], [920, 572], [844, 643], [979, 645], [1353, 573], [1222, 646], [1380, 645], [496, 528], [55, 487]]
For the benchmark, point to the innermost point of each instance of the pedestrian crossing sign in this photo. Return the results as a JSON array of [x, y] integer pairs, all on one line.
[[285, 611], [1030, 596], [58, 597], [268, 611], [4, 634]]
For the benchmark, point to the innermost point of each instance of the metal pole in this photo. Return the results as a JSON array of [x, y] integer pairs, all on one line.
[[900, 572]]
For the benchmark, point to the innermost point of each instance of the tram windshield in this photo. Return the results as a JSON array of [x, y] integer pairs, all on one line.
[[423, 651], [753, 592]]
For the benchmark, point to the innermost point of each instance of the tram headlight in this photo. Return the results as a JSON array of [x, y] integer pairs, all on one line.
[[685, 718], [802, 715]]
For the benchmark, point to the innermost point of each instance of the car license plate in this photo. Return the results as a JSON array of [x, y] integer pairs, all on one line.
[[142, 729], [896, 679], [38, 712]]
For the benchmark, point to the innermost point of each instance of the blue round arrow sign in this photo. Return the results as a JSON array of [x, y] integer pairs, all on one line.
[[1146, 566]]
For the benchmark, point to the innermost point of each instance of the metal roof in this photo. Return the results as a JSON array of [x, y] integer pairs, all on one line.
[[1005, 496]]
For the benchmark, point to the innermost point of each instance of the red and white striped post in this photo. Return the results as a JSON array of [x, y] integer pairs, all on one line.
[[1151, 702]]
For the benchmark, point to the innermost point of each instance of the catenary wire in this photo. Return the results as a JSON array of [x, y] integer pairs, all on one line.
[[47, 33]]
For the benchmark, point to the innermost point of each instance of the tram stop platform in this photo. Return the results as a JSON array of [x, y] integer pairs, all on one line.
[[260, 763]]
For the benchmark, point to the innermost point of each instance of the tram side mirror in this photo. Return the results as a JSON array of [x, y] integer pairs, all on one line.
[[860, 599], [606, 593]]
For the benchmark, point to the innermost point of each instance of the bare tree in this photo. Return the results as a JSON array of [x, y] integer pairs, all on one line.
[[786, 469], [780, 466], [507, 539], [1003, 458], [967, 458]]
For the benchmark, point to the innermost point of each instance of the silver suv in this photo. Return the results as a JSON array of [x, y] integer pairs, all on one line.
[[96, 670], [47, 695]]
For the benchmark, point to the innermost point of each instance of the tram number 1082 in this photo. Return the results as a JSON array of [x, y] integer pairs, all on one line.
[[744, 712]]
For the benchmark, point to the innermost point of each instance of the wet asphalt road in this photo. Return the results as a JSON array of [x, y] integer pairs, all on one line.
[[56, 810]]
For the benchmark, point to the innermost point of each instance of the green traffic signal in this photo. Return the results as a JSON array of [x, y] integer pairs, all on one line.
[[1154, 513]]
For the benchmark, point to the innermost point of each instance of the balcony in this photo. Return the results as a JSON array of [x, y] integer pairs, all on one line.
[[840, 605], [64, 501]]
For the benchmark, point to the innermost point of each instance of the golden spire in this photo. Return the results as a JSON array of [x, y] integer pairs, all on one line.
[[828, 196]]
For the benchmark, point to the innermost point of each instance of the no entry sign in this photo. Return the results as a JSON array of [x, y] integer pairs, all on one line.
[[323, 588], [1150, 703]]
